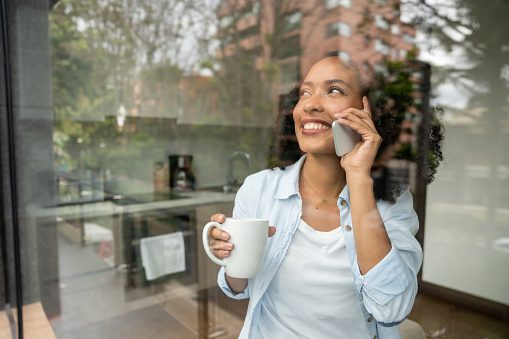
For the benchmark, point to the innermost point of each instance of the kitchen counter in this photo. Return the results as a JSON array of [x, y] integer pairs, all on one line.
[[189, 199], [108, 208], [126, 221]]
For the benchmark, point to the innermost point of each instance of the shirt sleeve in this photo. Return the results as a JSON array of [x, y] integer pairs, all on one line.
[[389, 288], [223, 285], [239, 211]]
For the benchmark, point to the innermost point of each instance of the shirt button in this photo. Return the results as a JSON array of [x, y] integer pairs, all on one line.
[[348, 228], [375, 337], [370, 319], [343, 203]]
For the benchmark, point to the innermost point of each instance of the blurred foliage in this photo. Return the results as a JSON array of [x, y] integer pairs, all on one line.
[[111, 54], [476, 37], [392, 95], [406, 151]]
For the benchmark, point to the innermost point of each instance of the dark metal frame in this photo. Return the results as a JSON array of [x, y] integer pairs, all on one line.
[[16, 295]]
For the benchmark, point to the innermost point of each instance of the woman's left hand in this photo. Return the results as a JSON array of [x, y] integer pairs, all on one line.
[[360, 159]]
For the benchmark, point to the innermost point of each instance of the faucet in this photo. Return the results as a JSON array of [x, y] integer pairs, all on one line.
[[230, 179]]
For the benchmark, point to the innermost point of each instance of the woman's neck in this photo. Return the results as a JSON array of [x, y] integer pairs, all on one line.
[[324, 172]]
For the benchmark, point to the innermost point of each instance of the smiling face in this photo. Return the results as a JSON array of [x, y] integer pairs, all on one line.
[[328, 88]]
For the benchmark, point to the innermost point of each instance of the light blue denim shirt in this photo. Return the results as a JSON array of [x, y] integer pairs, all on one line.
[[386, 293]]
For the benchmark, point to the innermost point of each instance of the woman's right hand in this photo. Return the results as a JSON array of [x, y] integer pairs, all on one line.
[[221, 248], [219, 244]]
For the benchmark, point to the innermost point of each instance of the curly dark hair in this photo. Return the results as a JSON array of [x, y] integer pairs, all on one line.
[[388, 115]]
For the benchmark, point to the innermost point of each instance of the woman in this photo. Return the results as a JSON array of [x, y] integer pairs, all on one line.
[[341, 264]]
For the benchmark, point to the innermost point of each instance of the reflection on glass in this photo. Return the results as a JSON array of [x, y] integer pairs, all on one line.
[[146, 93], [151, 98], [466, 221]]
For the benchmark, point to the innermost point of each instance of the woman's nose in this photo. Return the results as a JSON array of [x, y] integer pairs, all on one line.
[[313, 104]]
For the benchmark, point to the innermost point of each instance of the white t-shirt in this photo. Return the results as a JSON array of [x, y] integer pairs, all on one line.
[[313, 293]]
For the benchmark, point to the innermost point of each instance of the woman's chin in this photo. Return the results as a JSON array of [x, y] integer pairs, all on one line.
[[319, 150]]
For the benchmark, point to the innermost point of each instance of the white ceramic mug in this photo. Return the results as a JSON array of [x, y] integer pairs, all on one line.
[[249, 239]]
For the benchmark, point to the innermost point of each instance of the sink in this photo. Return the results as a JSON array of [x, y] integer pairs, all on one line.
[[221, 189]]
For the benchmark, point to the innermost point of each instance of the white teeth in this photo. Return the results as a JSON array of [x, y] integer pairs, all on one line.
[[315, 126]]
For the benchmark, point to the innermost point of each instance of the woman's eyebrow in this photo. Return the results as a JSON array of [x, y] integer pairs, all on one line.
[[328, 83], [336, 81]]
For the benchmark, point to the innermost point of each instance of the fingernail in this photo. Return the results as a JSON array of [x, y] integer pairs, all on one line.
[[229, 246], [226, 253], [224, 235]]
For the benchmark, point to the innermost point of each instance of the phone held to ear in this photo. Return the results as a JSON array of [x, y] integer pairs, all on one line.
[[345, 138]]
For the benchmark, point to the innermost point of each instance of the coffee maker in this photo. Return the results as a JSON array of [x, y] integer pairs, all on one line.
[[181, 173]]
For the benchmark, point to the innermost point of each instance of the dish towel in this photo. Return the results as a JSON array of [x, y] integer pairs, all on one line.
[[163, 254]]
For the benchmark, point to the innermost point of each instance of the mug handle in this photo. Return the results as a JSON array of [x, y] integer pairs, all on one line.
[[205, 238]]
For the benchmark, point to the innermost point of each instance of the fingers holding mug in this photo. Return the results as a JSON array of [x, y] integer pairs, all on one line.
[[272, 231], [237, 244], [218, 234], [218, 244], [221, 249], [218, 217]]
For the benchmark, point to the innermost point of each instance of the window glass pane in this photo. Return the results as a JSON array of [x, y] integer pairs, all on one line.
[[342, 55], [335, 3], [134, 122], [289, 73], [395, 29], [338, 28], [473, 185], [381, 47], [408, 38], [395, 53], [290, 47], [381, 22], [292, 22]]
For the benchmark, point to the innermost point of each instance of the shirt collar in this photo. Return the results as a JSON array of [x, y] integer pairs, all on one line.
[[345, 194], [289, 184]]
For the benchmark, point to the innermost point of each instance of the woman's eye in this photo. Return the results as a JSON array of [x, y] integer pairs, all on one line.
[[336, 90], [304, 93]]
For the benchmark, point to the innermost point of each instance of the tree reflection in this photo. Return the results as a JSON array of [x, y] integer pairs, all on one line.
[[467, 29], [107, 55], [476, 37]]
